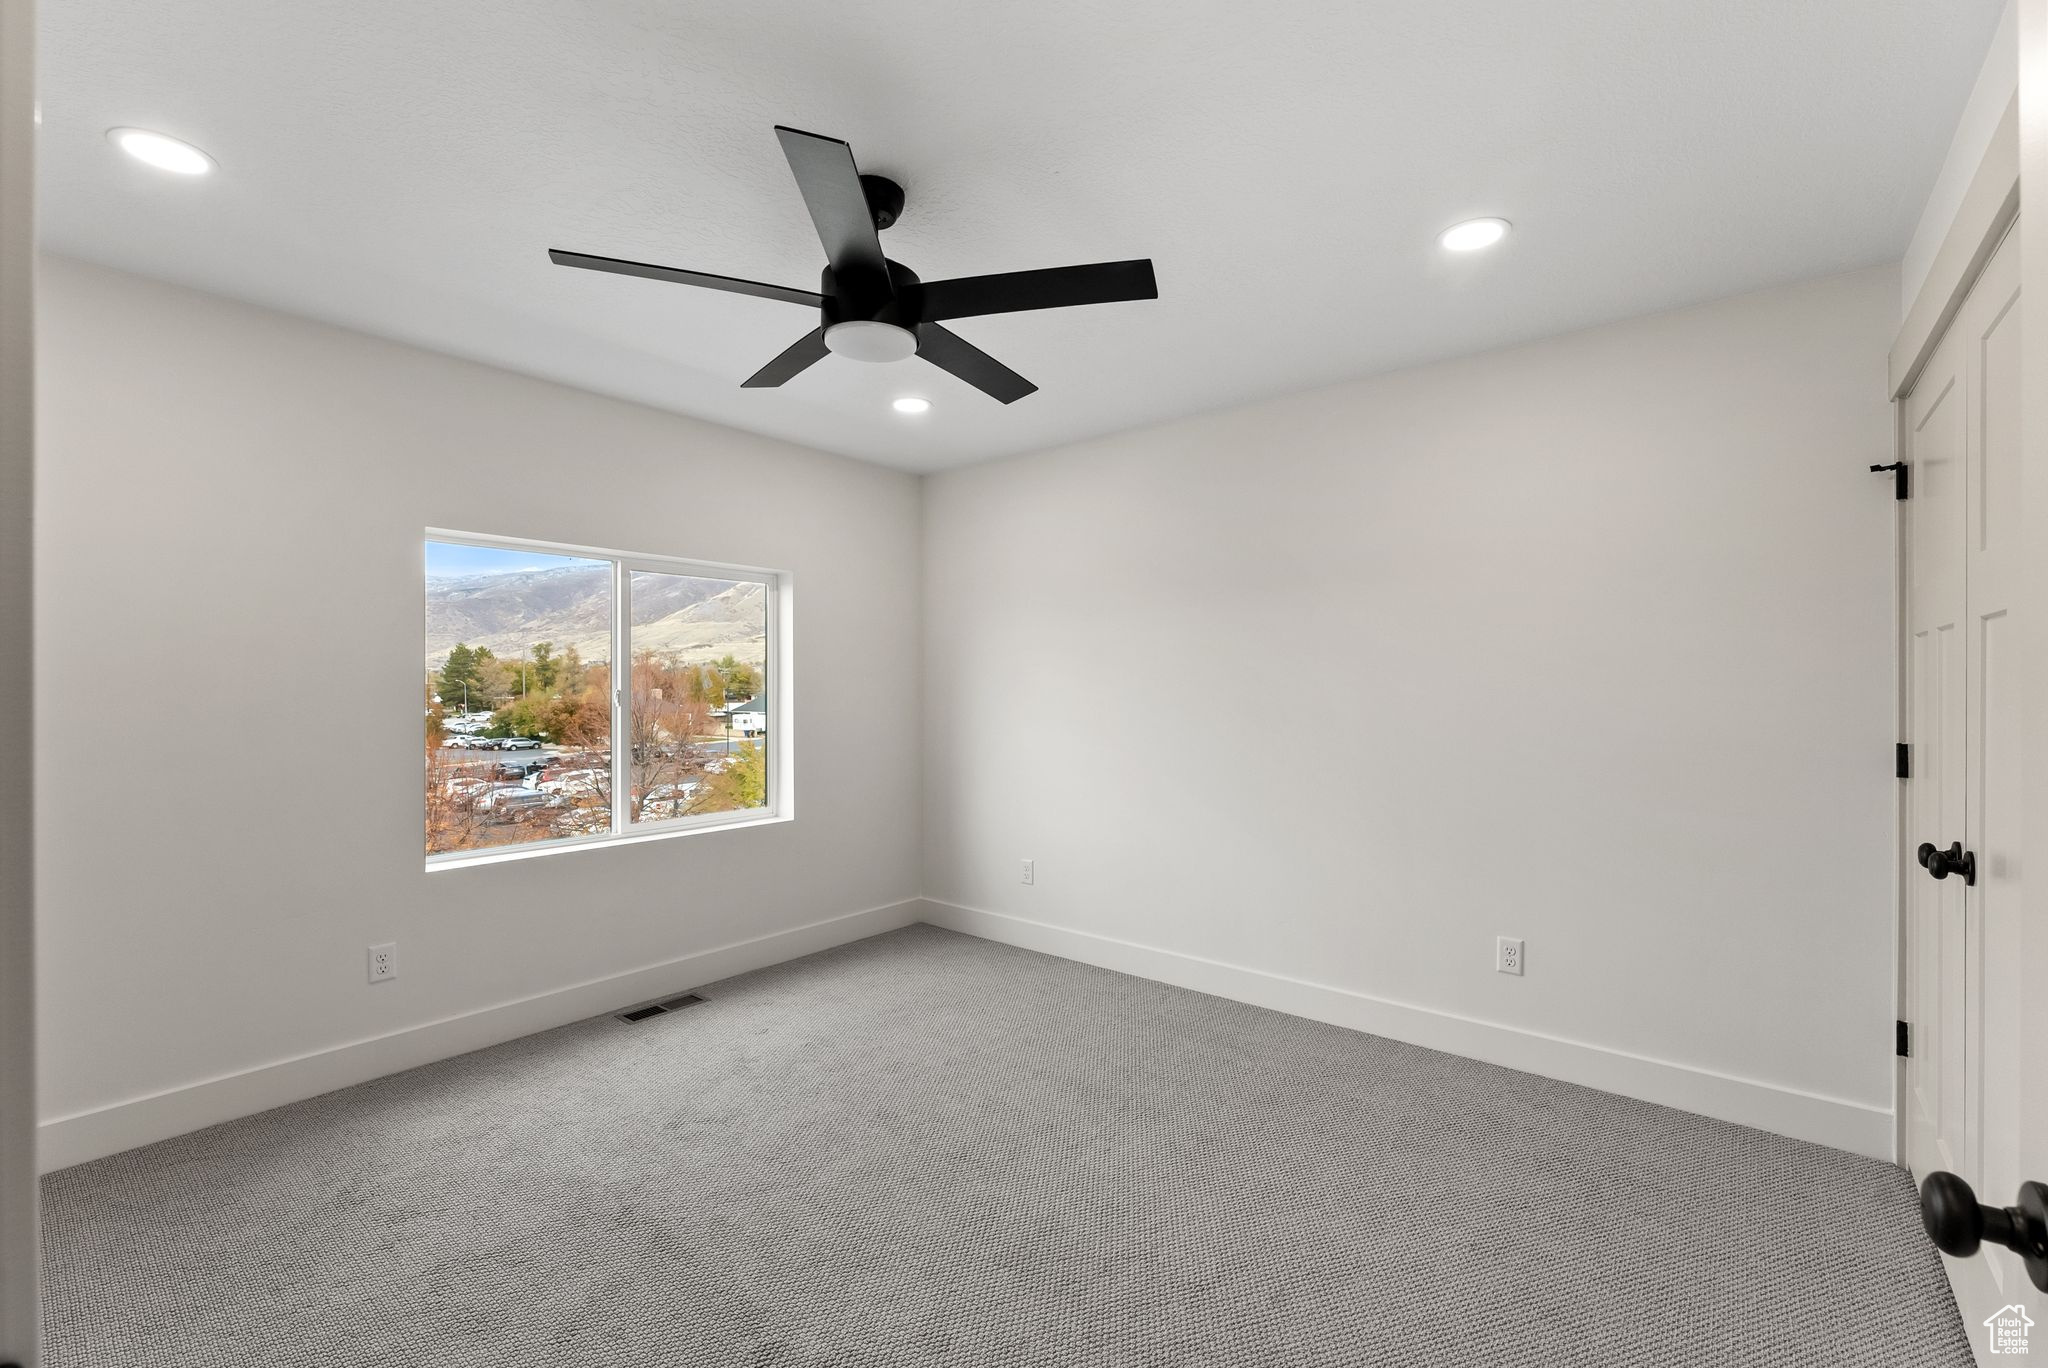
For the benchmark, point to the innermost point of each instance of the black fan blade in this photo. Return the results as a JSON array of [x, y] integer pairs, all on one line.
[[1059, 287], [680, 277], [954, 354], [830, 183], [685, 277], [800, 356]]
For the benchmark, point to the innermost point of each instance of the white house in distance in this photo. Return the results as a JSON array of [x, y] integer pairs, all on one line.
[[749, 718]]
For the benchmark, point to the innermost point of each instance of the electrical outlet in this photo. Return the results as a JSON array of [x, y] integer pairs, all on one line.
[[1507, 954], [1031, 871], [383, 962]]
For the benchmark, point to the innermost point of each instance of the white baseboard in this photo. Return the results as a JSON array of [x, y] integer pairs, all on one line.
[[1854, 1126], [1844, 1124], [67, 1140]]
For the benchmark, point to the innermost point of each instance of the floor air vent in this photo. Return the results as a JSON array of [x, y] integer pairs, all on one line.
[[673, 1004]]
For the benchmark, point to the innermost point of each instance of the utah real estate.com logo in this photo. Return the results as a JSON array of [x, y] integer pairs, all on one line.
[[2007, 1329]]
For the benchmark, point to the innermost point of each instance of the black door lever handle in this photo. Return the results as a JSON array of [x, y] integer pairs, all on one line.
[[1959, 1225], [1954, 860]]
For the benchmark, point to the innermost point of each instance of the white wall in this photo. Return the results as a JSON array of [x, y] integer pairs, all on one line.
[[1596, 635], [1997, 83], [229, 602], [18, 1262], [1597, 639]]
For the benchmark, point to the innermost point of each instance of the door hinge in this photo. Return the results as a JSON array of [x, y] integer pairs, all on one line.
[[1902, 760], [1905, 1041], [1902, 482]]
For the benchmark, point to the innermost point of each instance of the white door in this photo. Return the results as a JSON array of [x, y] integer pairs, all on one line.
[[1960, 436], [1935, 440], [1990, 326]]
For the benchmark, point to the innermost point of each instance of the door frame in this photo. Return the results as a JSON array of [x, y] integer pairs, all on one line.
[[2033, 231], [19, 1262], [1987, 211]]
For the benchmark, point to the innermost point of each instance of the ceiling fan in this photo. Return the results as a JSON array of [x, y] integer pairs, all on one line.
[[873, 309]]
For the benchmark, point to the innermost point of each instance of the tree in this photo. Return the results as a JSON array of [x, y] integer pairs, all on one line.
[[495, 680], [521, 717], [458, 678], [744, 783], [546, 665], [576, 714], [453, 821], [578, 719], [707, 686], [740, 680], [573, 674]]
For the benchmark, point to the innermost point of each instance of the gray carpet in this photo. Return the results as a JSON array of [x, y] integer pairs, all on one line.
[[931, 1151]]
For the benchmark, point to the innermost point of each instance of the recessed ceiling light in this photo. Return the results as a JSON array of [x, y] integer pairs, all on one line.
[[910, 403], [164, 153], [1473, 234]]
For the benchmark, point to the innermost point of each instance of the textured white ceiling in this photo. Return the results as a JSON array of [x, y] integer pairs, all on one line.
[[401, 166]]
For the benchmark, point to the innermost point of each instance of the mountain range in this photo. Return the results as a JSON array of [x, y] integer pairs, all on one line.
[[680, 616]]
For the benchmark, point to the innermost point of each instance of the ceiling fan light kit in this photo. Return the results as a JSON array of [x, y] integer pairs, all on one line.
[[876, 310], [864, 340]]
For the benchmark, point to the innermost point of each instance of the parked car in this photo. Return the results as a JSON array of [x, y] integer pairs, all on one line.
[[523, 766], [583, 822], [572, 789], [519, 743], [661, 792], [667, 800], [513, 801]]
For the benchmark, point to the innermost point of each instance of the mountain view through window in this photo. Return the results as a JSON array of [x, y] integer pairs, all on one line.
[[520, 708]]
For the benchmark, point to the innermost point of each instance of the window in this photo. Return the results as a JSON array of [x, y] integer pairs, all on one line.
[[577, 696]]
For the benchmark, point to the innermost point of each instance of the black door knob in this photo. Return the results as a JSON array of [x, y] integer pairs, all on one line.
[[1954, 860], [1959, 1225], [1955, 1220]]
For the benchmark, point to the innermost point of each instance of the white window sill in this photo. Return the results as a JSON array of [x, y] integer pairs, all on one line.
[[502, 854]]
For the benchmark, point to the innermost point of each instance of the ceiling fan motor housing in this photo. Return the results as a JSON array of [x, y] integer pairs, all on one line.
[[872, 317], [864, 296]]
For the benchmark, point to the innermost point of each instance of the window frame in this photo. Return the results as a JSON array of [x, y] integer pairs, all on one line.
[[777, 805]]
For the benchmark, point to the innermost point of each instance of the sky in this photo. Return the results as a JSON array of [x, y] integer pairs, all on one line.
[[446, 560]]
